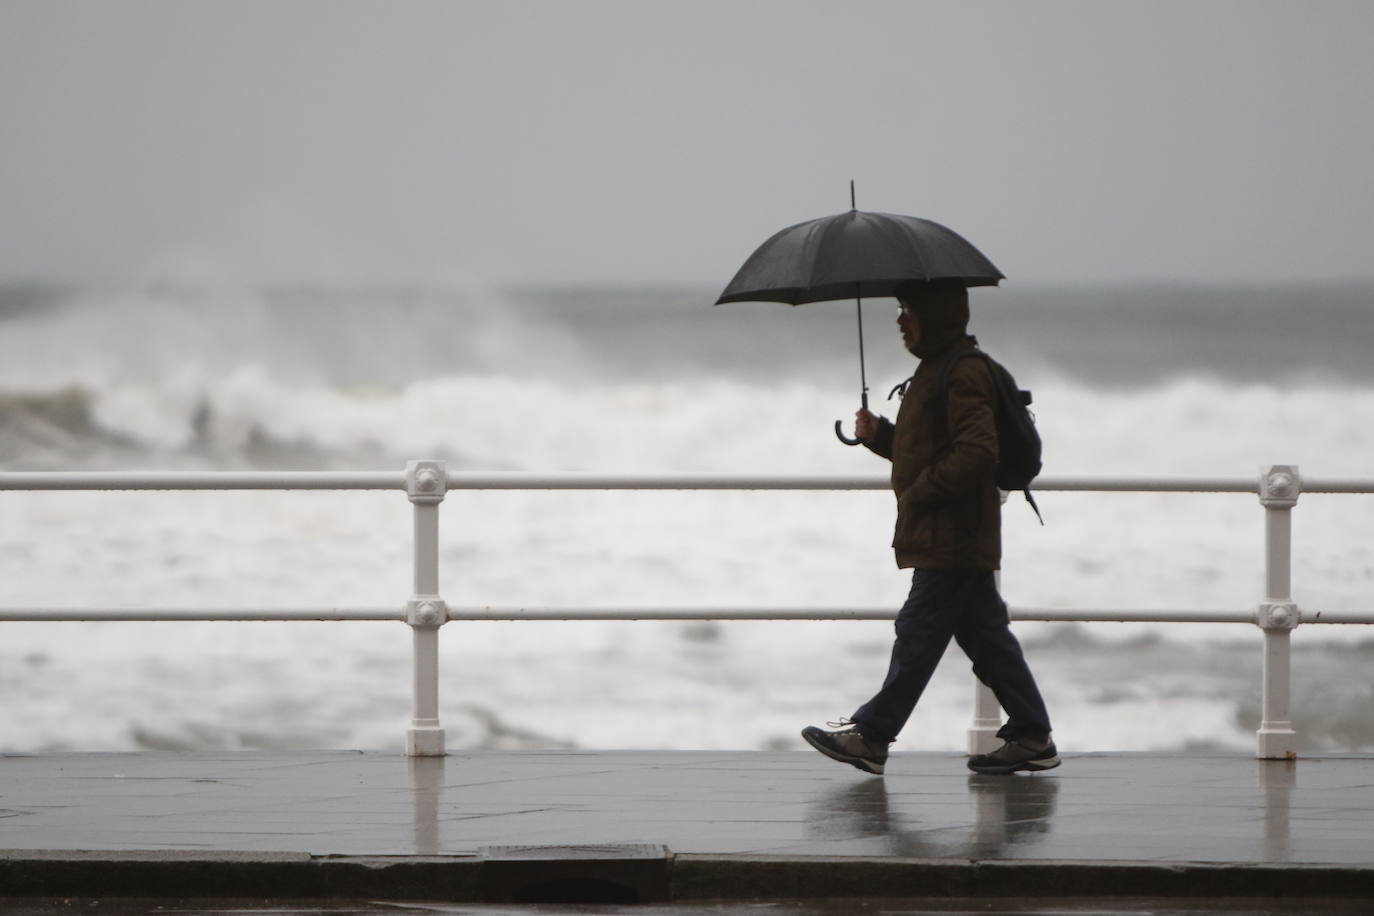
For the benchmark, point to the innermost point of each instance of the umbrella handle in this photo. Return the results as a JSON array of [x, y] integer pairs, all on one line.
[[839, 434]]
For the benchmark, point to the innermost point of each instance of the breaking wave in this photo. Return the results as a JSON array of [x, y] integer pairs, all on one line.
[[637, 381]]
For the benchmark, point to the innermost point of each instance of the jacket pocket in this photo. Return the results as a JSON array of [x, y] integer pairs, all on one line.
[[916, 530], [963, 522]]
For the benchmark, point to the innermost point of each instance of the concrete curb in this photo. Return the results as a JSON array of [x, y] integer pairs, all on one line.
[[284, 875], [702, 877], [644, 877]]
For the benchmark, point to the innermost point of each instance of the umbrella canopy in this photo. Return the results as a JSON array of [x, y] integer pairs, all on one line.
[[856, 254]]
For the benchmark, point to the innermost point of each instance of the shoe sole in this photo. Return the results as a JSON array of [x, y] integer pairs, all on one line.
[[1030, 766], [861, 763]]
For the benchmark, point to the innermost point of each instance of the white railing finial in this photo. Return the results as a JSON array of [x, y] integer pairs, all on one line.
[[426, 481], [1280, 486]]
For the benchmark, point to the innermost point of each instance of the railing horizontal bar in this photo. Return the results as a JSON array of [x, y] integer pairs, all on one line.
[[206, 480], [517, 480], [1068, 615], [668, 613], [1080, 615], [1337, 616], [1149, 484], [1338, 485], [520, 480], [198, 614], [1170, 615], [1132, 615], [1195, 484]]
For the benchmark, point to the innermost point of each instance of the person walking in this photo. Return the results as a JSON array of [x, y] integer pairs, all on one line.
[[943, 449]]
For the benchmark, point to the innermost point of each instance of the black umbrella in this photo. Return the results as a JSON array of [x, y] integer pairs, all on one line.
[[856, 254]]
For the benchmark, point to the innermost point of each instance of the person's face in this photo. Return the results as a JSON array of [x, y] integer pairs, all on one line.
[[910, 327]]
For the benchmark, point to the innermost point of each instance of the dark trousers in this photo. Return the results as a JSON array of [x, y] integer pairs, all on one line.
[[963, 604]]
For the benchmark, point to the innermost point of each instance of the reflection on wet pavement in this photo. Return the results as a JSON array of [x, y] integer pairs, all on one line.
[[1096, 810], [1007, 813]]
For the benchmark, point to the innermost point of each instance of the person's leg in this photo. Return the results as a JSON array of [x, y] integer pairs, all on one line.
[[924, 626], [983, 631], [985, 636]]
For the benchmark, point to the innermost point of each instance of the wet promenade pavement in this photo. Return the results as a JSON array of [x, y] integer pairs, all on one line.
[[626, 825]]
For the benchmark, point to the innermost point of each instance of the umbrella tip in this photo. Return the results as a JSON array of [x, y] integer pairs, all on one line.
[[852, 205]]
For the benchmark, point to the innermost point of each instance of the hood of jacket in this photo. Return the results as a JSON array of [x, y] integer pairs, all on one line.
[[942, 312]]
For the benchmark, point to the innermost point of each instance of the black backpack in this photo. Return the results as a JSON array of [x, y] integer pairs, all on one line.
[[1018, 442]]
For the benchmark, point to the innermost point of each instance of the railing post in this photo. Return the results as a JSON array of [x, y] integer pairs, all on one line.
[[426, 612], [1278, 615], [987, 712], [987, 721]]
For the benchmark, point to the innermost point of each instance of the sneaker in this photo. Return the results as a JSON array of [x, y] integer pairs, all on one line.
[[848, 745], [1013, 756]]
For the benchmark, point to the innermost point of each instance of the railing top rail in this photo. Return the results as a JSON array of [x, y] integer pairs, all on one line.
[[510, 613], [1140, 484], [577, 480], [202, 480], [1143, 484], [198, 615]]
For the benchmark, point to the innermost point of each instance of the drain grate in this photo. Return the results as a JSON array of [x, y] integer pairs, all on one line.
[[625, 873]]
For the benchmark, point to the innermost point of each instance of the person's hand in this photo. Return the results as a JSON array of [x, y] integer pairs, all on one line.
[[865, 425]]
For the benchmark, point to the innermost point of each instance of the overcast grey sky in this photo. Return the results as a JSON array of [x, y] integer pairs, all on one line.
[[502, 141]]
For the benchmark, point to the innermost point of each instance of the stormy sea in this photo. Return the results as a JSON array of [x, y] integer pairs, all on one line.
[[1168, 380]]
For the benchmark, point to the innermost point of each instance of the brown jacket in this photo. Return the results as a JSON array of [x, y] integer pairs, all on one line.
[[949, 511]]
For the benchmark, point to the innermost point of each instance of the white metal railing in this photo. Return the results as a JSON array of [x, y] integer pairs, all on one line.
[[427, 482]]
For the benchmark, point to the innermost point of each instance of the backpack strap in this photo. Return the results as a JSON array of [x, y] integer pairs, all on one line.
[[1023, 396], [1031, 499], [942, 402]]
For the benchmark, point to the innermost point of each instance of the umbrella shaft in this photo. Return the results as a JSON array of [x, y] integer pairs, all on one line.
[[863, 374]]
